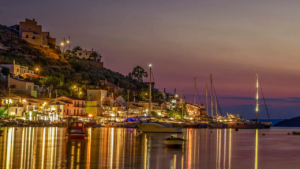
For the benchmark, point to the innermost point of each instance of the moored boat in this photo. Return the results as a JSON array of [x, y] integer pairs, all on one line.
[[76, 130], [158, 128], [173, 142]]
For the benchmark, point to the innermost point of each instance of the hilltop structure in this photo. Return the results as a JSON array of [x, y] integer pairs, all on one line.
[[32, 33]]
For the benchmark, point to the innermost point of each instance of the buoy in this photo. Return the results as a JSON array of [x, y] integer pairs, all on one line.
[[236, 129]]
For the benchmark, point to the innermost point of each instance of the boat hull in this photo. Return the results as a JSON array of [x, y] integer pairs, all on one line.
[[250, 126], [174, 143], [157, 128], [217, 125]]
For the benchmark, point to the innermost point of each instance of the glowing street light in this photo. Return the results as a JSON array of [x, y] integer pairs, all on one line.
[[62, 44]]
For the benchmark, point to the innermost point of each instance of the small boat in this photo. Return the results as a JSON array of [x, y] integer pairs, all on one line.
[[173, 142], [76, 130], [296, 133], [158, 128]]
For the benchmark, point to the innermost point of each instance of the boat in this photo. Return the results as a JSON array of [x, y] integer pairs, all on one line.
[[218, 125], [158, 128], [76, 130], [173, 142], [295, 133]]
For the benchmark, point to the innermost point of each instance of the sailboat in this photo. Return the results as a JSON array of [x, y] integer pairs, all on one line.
[[246, 124], [217, 122], [156, 127]]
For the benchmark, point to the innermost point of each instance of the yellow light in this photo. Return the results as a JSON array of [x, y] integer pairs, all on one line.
[[113, 115], [62, 44], [159, 113], [24, 100], [45, 103], [150, 65], [12, 113], [90, 115], [80, 93], [74, 86], [68, 41], [10, 101], [37, 69]]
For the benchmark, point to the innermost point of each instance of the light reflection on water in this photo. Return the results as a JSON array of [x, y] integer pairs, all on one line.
[[47, 148]]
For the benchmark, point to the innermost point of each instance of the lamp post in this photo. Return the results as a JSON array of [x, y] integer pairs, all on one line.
[[68, 42], [37, 71], [63, 45], [150, 107]]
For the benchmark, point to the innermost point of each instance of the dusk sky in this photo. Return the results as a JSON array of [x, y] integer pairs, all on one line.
[[231, 39]]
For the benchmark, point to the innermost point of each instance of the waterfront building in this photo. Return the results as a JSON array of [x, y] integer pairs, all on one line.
[[73, 107], [12, 107], [159, 107]]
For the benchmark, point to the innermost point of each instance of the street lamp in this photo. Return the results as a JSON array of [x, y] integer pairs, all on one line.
[[37, 70], [63, 45]]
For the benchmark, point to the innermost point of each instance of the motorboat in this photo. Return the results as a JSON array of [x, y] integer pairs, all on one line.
[[76, 130], [158, 128], [295, 133], [173, 142], [218, 125]]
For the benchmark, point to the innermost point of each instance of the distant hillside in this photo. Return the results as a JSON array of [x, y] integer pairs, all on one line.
[[68, 71], [293, 122]]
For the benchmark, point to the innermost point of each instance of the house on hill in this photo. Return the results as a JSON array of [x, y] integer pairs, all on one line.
[[32, 33], [110, 86]]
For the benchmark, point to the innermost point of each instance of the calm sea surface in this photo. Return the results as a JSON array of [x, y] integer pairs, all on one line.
[[47, 148]]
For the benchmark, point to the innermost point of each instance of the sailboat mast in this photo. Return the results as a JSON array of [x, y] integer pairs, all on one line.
[[256, 110], [216, 104], [211, 97], [181, 104], [206, 101], [194, 91]]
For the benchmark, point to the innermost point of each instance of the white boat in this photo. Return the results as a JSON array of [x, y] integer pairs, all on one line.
[[174, 142], [158, 128]]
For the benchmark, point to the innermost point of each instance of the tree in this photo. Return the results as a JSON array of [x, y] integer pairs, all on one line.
[[77, 77], [94, 55], [74, 50], [51, 80], [138, 73], [5, 70], [176, 112]]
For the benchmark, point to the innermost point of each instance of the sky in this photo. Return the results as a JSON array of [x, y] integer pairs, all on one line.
[[233, 40]]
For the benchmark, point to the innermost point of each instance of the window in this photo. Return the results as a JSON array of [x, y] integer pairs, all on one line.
[[17, 70], [29, 29], [86, 54], [60, 110], [79, 124], [81, 112], [26, 36], [79, 54], [33, 37], [67, 111], [77, 111]]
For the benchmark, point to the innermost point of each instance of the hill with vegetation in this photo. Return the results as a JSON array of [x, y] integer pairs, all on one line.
[[65, 71]]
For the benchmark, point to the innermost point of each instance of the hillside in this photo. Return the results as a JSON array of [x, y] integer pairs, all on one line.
[[62, 73], [293, 122]]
